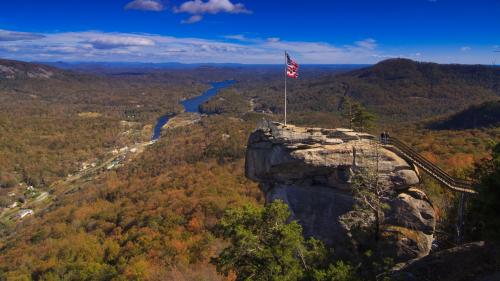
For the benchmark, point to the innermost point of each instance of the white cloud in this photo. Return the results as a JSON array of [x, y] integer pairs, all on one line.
[[9, 49], [6, 35], [197, 8], [369, 44], [465, 48], [145, 5], [112, 41], [192, 19], [239, 37], [246, 39]]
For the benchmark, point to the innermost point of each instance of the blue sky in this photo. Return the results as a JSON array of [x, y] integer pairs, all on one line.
[[250, 31]]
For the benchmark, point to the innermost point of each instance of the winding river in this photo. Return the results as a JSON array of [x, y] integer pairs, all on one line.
[[191, 105]]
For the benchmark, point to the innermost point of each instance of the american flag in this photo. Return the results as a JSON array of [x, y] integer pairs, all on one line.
[[292, 69]]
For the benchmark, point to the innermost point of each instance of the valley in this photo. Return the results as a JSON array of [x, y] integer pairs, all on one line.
[[126, 180], [111, 161]]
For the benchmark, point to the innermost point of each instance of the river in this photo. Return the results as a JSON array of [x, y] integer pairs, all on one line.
[[191, 105]]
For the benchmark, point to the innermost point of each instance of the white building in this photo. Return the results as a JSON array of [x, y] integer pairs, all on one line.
[[13, 205], [24, 213]]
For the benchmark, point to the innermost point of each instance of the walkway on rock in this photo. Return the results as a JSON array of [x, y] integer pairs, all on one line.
[[434, 171]]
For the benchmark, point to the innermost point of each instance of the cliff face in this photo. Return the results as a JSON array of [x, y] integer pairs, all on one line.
[[313, 170]]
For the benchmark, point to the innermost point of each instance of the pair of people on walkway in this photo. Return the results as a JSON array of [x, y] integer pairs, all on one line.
[[384, 138]]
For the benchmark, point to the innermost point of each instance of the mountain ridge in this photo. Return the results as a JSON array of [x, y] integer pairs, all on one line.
[[418, 90], [476, 116]]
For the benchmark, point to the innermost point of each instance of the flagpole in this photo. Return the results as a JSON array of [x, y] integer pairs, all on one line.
[[285, 84]]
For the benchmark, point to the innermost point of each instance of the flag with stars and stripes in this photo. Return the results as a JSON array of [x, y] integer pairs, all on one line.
[[292, 67]]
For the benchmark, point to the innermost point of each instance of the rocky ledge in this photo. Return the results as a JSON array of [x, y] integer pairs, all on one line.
[[312, 170]]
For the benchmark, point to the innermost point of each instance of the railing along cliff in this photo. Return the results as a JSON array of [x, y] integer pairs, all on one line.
[[433, 170]]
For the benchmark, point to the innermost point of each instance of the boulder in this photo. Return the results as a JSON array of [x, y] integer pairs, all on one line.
[[408, 228]]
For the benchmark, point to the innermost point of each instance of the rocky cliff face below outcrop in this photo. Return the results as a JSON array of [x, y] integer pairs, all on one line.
[[313, 170]]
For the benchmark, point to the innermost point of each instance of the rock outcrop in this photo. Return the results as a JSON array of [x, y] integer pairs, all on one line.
[[13, 70], [478, 261], [313, 171]]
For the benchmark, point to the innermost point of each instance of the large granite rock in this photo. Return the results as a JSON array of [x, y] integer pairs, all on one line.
[[408, 226], [312, 170]]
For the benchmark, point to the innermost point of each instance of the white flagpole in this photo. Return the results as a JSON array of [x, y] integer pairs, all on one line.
[[286, 69]]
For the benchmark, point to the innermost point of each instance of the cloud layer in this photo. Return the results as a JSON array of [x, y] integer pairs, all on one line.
[[234, 48], [106, 46]]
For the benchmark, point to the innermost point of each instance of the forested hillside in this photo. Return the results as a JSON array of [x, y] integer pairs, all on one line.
[[404, 89], [486, 115], [50, 124], [53, 123], [149, 220]]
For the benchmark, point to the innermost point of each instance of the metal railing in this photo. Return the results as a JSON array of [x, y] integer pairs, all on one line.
[[434, 171]]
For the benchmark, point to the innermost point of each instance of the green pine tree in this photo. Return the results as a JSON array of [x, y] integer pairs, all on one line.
[[264, 246], [356, 115]]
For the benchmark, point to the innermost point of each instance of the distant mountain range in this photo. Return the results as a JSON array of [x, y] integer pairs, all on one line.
[[395, 89], [177, 65]]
